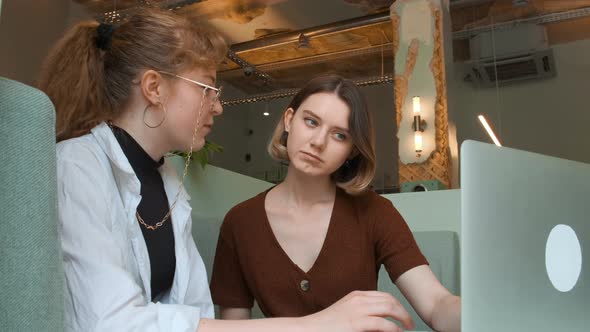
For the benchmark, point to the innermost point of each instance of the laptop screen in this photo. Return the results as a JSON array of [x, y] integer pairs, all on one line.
[[525, 222]]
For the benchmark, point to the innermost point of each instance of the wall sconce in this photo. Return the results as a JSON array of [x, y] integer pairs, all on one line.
[[418, 126]]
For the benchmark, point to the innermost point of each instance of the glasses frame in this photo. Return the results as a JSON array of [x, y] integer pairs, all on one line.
[[202, 85]]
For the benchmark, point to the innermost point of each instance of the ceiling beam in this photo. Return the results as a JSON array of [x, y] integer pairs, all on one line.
[[293, 36], [465, 3]]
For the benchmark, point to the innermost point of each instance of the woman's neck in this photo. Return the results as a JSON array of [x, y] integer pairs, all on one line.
[[303, 190], [150, 139]]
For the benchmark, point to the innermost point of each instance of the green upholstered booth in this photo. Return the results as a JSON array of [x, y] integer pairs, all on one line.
[[31, 274]]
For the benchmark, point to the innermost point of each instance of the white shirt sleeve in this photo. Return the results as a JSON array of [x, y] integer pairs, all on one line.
[[101, 293]]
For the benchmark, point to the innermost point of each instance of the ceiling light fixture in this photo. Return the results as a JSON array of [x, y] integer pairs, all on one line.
[[487, 127], [303, 41]]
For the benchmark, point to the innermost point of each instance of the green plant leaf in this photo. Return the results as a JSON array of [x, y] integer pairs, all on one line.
[[213, 147], [202, 156]]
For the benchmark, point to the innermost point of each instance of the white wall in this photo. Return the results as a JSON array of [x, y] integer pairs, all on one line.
[[549, 116]]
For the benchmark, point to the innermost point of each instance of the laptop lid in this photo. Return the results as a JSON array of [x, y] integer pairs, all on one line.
[[525, 239]]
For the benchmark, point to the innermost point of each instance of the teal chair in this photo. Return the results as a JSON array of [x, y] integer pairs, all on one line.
[[441, 249], [31, 272]]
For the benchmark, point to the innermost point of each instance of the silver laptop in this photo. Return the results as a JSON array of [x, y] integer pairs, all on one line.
[[525, 241]]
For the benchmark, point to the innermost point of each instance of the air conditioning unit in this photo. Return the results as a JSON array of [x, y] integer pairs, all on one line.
[[508, 55]]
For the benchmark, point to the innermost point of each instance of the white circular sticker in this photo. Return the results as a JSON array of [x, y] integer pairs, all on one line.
[[563, 258]]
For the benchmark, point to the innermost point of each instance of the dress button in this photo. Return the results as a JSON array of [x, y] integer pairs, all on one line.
[[304, 284]]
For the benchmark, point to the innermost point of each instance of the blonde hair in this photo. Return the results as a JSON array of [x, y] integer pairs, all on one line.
[[88, 84], [356, 174]]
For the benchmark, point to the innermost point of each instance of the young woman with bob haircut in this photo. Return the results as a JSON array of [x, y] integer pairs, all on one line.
[[302, 245]]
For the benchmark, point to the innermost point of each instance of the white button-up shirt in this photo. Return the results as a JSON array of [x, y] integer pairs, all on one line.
[[106, 262]]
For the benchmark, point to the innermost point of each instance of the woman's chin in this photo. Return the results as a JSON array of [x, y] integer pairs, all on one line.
[[197, 144]]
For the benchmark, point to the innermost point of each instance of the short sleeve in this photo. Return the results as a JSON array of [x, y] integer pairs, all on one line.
[[395, 246], [228, 286]]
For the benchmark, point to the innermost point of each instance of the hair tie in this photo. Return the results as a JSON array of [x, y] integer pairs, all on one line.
[[104, 35]]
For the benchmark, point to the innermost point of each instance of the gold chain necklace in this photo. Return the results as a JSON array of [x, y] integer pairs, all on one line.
[[188, 159]]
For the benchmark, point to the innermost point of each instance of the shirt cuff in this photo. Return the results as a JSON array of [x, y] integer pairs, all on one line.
[[180, 318]]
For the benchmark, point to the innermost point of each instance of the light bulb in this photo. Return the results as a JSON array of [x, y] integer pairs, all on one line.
[[416, 105], [418, 141]]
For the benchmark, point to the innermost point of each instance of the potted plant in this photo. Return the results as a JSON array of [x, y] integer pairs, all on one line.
[[202, 156]]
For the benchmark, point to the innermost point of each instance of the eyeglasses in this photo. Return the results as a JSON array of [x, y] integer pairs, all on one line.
[[211, 92]]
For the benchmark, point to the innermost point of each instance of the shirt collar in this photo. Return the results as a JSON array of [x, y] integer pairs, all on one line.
[[107, 141], [139, 159]]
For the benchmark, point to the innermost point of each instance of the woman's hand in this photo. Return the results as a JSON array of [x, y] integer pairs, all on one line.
[[361, 311]]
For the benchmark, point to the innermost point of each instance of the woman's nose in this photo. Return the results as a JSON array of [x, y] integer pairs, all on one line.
[[318, 141], [216, 108]]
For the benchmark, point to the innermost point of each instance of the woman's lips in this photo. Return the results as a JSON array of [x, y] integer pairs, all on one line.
[[312, 156]]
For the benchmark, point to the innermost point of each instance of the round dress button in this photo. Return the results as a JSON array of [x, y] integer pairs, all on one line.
[[304, 284]]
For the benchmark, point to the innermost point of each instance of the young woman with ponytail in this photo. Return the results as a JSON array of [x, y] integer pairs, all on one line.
[[125, 95]]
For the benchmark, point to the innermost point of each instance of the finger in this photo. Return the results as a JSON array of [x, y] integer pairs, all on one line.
[[378, 324], [384, 305], [372, 294], [390, 308]]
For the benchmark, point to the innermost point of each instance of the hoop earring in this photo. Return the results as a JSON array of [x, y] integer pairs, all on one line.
[[160, 123]]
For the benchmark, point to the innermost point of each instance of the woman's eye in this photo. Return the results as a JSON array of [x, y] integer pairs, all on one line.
[[311, 122], [340, 136]]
